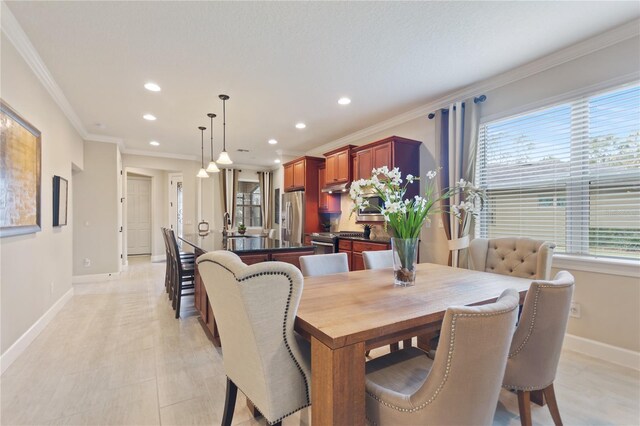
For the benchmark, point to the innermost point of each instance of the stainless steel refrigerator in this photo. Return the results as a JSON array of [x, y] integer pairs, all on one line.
[[293, 217]]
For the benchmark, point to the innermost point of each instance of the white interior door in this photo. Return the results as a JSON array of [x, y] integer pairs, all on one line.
[[138, 215]]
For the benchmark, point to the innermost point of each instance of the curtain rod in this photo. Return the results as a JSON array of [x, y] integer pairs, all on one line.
[[476, 100]]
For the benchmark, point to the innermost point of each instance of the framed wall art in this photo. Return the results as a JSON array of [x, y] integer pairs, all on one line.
[[60, 196], [20, 168]]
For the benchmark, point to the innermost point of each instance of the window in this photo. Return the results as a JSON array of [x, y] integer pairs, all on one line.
[[569, 174], [248, 204]]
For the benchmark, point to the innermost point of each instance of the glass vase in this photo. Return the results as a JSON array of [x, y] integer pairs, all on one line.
[[405, 258]]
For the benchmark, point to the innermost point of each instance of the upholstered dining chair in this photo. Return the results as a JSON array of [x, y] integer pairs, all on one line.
[[255, 308], [537, 342], [461, 386], [377, 259], [519, 257], [324, 264]]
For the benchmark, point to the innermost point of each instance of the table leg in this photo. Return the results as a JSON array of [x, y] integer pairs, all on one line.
[[337, 384]]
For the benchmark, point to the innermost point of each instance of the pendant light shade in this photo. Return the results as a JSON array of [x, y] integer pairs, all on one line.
[[202, 173], [224, 155], [212, 167]]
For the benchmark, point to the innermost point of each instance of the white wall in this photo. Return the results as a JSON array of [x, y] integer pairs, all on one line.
[[96, 210], [35, 269]]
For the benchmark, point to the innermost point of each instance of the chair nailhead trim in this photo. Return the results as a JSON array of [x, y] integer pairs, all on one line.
[[447, 366], [284, 328], [533, 317]]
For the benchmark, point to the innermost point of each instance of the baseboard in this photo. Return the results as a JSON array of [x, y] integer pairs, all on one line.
[[603, 351], [14, 351], [94, 278], [159, 258]]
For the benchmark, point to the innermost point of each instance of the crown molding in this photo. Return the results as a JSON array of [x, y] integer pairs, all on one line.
[[619, 34], [159, 154], [106, 139], [16, 35]]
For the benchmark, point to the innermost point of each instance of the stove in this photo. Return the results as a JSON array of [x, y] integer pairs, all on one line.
[[327, 242]]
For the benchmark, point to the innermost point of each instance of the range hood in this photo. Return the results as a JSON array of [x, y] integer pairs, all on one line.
[[338, 188]]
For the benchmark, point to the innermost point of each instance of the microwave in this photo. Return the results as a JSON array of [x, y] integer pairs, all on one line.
[[371, 213]]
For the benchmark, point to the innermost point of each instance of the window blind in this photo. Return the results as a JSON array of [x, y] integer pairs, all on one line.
[[569, 174]]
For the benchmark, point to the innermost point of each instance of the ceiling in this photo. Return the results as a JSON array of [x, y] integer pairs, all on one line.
[[284, 62]]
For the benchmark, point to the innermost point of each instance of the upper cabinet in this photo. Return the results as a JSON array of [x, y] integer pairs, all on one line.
[[327, 203], [338, 166], [391, 152], [301, 174]]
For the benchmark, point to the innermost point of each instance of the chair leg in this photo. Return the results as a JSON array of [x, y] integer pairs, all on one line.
[[394, 347], [229, 403], [367, 353], [550, 396], [524, 405], [406, 343], [178, 296]]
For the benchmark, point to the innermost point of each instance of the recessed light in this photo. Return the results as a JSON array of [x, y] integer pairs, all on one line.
[[273, 141], [277, 161], [344, 101], [152, 87], [300, 125], [154, 143], [149, 117]]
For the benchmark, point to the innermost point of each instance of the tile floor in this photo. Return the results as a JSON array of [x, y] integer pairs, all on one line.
[[115, 355]]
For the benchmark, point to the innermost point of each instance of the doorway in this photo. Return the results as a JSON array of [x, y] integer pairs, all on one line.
[[138, 215], [175, 202]]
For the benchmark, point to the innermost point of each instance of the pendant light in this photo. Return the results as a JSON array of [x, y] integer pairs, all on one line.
[[212, 168], [224, 156], [202, 173]]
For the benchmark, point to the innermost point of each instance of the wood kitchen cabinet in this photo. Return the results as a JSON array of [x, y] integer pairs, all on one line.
[[301, 174], [327, 203], [392, 152], [339, 165], [354, 249]]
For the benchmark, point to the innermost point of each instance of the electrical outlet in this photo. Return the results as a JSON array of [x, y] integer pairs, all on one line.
[[87, 262], [575, 310]]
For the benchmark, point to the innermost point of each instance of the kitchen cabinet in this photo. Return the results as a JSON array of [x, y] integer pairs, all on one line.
[[339, 165], [301, 174], [392, 152], [354, 249], [327, 203]]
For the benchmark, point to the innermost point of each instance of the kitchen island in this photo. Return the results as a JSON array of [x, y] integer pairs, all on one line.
[[251, 249]]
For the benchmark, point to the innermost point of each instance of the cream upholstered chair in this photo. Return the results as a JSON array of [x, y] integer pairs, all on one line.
[[537, 342], [255, 308], [461, 386], [519, 257], [377, 259], [324, 264]]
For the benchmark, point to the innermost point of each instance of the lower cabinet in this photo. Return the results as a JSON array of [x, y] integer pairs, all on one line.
[[354, 249], [251, 259], [292, 258]]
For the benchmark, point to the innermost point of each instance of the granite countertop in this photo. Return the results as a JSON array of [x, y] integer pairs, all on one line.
[[382, 240], [241, 244]]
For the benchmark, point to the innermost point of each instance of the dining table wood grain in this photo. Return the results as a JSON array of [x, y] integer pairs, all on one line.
[[344, 315]]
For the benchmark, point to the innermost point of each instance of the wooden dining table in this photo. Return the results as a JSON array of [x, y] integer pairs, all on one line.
[[344, 315]]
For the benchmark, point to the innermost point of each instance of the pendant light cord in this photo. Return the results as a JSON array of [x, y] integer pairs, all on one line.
[[211, 137], [224, 125]]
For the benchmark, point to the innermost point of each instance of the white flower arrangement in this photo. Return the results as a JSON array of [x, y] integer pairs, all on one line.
[[406, 216]]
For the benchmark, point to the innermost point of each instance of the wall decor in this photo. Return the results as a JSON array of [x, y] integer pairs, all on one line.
[[60, 196], [276, 206], [20, 168]]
